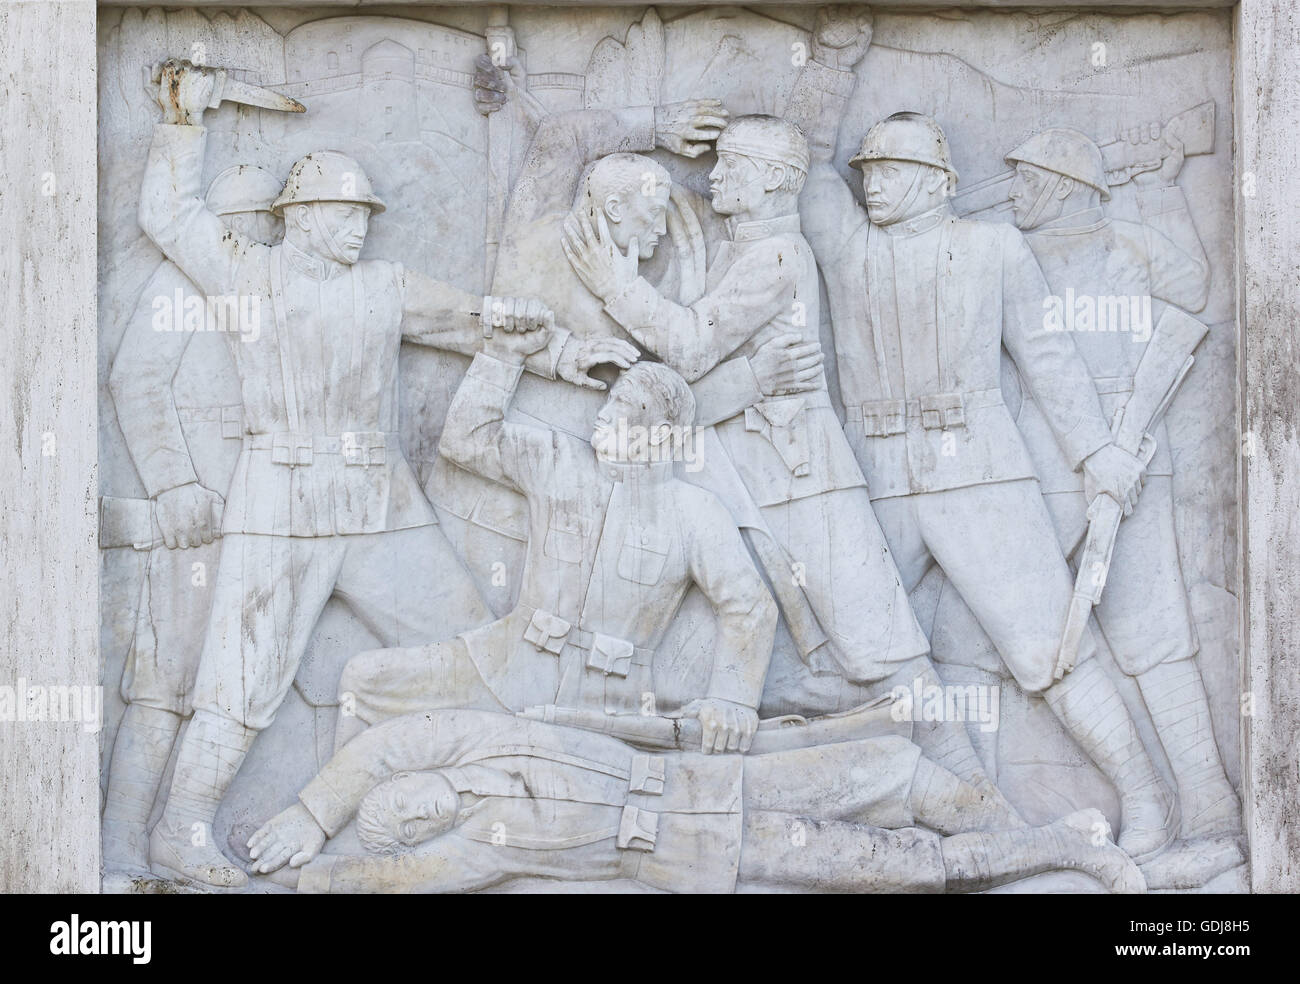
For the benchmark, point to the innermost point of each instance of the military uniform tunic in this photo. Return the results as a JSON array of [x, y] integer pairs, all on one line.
[[921, 310], [613, 549], [322, 500], [790, 451], [1144, 611]]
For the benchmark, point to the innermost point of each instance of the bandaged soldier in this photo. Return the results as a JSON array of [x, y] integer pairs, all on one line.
[[789, 449], [581, 162]]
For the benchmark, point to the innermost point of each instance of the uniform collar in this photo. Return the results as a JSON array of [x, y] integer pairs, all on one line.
[[752, 230], [637, 472], [1088, 220], [918, 224], [311, 266]]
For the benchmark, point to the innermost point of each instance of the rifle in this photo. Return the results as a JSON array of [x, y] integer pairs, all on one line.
[[871, 720], [1194, 127], [1164, 366]]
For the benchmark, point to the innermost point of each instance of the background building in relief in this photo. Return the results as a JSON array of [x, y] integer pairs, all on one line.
[[1103, 140]]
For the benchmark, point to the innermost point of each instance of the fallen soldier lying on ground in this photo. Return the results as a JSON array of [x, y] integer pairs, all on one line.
[[460, 800]]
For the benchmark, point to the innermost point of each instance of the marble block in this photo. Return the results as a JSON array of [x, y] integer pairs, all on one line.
[[669, 449]]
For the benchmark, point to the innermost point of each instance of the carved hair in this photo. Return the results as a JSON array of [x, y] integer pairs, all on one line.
[[794, 179], [371, 826], [668, 389], [621, 175]]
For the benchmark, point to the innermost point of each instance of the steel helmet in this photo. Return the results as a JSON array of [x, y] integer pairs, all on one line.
[[907, 137], [1066, 152], [243, 188], [326, 176]]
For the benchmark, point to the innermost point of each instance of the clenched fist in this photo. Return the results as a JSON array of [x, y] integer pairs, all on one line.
[[841, 35], [517, 314], [186, 515], [184, 90], [725, 725], [494, 84]]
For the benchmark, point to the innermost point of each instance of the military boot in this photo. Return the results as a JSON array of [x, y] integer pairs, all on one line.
[[140, 752], [1175, 695], [182, 845], [1087, 702]]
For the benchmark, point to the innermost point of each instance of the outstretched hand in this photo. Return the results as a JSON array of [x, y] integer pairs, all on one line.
[[786, 365], [690, 127], [595, 257], [581, 355], [292, 836]]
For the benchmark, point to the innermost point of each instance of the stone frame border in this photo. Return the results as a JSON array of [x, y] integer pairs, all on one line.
[[49, 556]]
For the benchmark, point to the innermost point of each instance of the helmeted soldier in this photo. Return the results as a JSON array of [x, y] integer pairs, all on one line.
[[322, 500], [789, 449], [461, 800], [177, 401], [918, 342], [1126, 267], [615, 541]]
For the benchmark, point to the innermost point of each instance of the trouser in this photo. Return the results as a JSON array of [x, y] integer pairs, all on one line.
[[1145, 619], [1143, 612], [406, 586], [838, 554], [997, 546], [379, 684], [844, 817], [175, 606]]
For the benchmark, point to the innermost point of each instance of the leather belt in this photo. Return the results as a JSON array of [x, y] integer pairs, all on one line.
[[1108, 385], [938, 411], [608, 654], [360, 448]]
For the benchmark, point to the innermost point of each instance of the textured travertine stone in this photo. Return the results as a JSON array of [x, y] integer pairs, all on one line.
[[496, 438], [49, 827]]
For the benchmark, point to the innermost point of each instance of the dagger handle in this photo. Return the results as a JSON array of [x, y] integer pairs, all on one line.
[[218, 88]]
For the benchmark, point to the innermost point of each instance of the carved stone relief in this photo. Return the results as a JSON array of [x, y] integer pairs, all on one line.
[[677, 450]]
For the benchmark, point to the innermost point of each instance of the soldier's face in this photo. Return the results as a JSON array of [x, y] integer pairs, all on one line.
[[418, 806], [605, 433], [886, 185], [737, 183], [1026, 189], [346, 223], [623, 430], [644, 216]]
